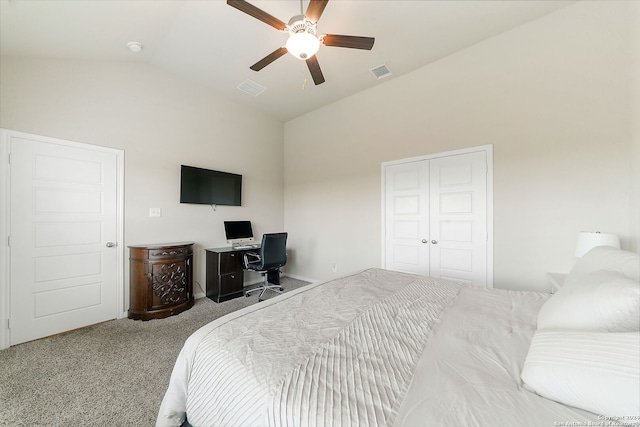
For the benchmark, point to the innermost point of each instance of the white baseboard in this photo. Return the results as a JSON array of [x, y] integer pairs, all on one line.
[[305, 279]]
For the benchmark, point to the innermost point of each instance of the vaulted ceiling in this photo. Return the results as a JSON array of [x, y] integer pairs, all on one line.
[[211, 43]]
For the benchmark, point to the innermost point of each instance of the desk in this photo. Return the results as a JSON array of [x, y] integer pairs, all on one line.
[[225, 273]]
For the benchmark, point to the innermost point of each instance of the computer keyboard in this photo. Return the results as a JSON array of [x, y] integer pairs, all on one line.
[[246, 247]]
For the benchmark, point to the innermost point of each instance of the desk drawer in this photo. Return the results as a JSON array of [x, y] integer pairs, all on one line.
[[231, 284], [231, 262]]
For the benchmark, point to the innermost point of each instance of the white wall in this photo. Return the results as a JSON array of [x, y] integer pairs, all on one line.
[[634, 159], [160, 122], [551, 96]]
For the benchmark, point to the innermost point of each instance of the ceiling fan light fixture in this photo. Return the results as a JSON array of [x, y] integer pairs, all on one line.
[[303, 45], [302, 42]]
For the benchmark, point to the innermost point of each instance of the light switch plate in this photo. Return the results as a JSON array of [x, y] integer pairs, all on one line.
[[155, 212]]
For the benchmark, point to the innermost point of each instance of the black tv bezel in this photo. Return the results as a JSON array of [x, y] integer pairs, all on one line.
[[213, 198]]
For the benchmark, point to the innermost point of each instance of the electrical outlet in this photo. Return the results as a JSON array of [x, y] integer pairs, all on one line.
[[155, 212], [334, 267]]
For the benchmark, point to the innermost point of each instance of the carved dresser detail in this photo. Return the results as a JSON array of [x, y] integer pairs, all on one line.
[[161, 280]]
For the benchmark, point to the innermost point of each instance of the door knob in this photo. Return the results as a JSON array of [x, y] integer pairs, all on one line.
[[425, 241], [110, 244], [435, 242]]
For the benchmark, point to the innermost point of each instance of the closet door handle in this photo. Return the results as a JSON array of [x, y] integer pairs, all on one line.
[[435, 242], [425, 241]]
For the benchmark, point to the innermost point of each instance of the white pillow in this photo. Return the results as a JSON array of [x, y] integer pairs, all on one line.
[[595, 371], [599, 301], [607, 257]]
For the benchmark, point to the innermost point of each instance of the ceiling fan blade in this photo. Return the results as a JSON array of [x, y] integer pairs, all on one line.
[[315, 9], [257, 13], [269, 59], [353, 42], [314, 69]]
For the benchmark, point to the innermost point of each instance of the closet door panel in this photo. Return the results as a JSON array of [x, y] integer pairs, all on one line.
[[407, 217], [458, 218]]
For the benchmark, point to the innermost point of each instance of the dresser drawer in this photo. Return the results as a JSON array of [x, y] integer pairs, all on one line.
[[231, 262], [164, 253]]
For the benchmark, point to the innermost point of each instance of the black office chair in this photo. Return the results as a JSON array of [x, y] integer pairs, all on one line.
[[272, 256]]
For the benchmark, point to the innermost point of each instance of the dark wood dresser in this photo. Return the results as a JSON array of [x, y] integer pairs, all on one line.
[[161, 280]]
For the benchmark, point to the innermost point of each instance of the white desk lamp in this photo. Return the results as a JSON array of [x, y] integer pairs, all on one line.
[[588, 240]]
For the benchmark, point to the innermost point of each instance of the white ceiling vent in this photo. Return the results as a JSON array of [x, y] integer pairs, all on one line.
[[381, 71], [251, 87]]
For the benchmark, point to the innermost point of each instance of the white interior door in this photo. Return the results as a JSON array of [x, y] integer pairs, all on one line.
[[63, 235], [458, 198], [407, 217], [437, 217]]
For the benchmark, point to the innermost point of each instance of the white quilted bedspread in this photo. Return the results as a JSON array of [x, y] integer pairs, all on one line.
[[376, 348], [337, 354], [359, 376]]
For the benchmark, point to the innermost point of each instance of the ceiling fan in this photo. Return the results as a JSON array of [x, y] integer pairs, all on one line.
[[303, 42]]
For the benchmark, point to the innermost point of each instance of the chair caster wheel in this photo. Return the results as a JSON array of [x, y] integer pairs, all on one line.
[[247, 295], [281, 289]]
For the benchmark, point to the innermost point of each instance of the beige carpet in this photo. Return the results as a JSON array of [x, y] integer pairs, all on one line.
[[111, 374]]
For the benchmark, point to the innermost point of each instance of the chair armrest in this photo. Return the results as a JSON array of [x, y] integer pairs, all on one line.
[[255, 256]]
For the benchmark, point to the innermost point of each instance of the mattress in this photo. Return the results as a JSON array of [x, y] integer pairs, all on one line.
[[375, 348]]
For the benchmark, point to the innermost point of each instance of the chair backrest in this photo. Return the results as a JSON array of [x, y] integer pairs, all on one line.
[[273, 250]]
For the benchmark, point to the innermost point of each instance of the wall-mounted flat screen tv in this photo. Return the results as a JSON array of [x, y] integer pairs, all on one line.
[[210, 187]]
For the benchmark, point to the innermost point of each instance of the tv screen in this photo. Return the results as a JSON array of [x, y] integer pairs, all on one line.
[[209, 187]]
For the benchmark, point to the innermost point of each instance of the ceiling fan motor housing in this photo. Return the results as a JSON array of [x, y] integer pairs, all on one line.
[[303, 42]]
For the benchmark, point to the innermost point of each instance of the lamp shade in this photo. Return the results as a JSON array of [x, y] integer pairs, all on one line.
[[588, 240]]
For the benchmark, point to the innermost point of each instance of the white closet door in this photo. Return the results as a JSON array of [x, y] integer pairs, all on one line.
[[407, 217], [63, 238], [458, 216], [436, 217]]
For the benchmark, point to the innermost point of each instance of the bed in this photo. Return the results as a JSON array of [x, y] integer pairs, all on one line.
[[382, 348]]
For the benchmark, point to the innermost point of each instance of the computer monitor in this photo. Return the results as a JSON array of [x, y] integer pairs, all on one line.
[[238, 232]]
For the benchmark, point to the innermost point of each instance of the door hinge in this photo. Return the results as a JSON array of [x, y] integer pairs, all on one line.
[[9, 158], [9, 241], [9, 323]]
